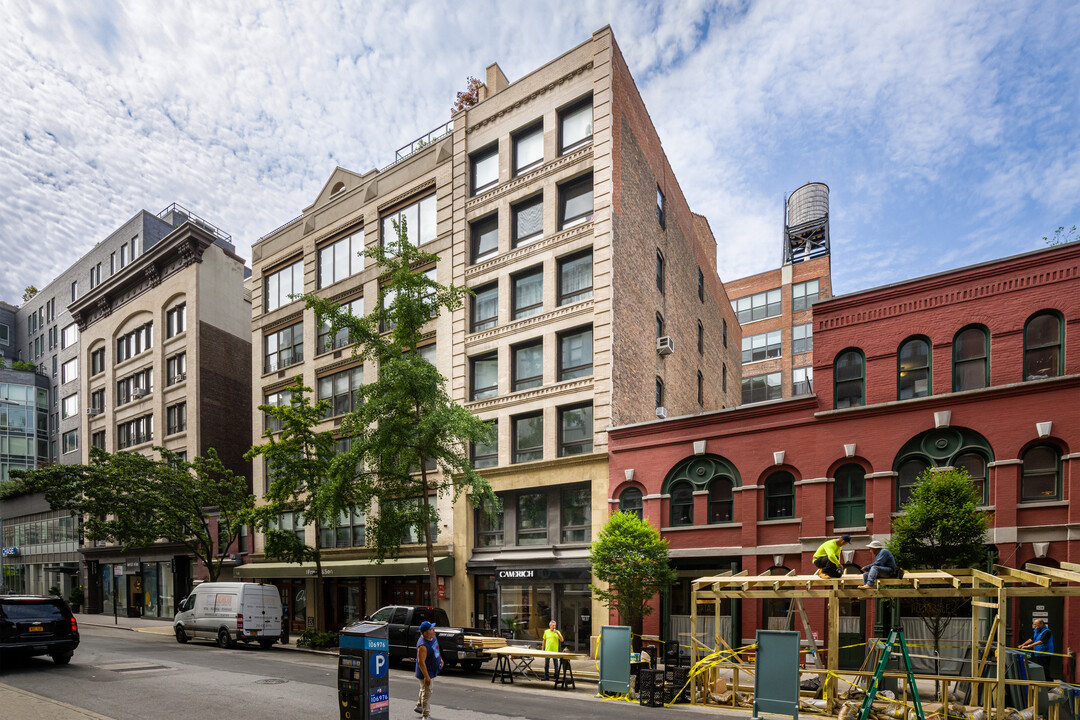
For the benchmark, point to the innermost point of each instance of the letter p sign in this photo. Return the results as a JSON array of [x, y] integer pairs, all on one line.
[[378, 664]]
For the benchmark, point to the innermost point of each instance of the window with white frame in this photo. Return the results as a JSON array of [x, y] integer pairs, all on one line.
[[529, 148], [527, 218], [761, 347], [575, 125], [280, 285], [485, 169], [176, 320], [802, 380], [69, 371], [69, 406], [758, 306], [341, 259], [804, 294], [802, 338], [69, 335], [759, 388]]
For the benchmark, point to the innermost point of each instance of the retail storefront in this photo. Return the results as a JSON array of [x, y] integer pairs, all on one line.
[[145, 586]]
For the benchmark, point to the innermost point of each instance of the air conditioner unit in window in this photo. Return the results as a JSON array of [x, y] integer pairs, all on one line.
[[665, 345], [91, 411], [138, 393], [661, 412]]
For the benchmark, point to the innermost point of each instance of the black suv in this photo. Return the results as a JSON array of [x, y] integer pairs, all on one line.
[[36, 625]]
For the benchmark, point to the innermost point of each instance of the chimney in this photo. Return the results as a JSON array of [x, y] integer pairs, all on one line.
[[496, 81]]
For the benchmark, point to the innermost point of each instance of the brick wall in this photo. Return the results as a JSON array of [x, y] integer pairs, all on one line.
[[225, 397]]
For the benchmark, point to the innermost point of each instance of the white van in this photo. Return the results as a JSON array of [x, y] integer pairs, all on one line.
[[228, 612]]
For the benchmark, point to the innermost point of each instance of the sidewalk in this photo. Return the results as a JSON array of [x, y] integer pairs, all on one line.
[[28, 706]]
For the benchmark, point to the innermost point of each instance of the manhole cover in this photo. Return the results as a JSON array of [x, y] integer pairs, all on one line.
[[271, 681]]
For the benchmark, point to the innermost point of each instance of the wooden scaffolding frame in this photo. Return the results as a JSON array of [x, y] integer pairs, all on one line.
[[985, 590]]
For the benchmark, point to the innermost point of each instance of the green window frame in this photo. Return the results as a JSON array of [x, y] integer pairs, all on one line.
[[681, 504], [849, 496]]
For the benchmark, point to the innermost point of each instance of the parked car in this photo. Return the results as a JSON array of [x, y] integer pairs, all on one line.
[[37, 625], [403, 623], [230, 612]]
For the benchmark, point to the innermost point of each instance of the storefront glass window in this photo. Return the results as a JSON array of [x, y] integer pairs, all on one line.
[[525, 611], [151, 592]]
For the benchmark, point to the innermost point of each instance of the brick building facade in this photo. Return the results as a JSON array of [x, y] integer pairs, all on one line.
[[977, 368]]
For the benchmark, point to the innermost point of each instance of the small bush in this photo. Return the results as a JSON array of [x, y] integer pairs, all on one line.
[[54, 590], [317, 640]]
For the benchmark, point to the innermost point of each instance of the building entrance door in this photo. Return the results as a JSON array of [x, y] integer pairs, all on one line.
[[575, 615]]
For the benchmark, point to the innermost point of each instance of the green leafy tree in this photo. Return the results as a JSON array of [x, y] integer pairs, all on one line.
[[135, 501], [940, 527], [29, 293], [409, 436], [631, 557], [305, 476]]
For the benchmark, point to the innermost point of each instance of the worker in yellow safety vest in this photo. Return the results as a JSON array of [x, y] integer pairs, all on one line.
[[827, 558]]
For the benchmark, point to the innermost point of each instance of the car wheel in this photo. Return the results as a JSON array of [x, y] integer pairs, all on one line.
[[62, 658], [266, 644], [224, 639], [470, 666], [181, 636]]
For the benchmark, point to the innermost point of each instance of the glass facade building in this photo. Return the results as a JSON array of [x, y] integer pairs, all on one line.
[[24, 421]]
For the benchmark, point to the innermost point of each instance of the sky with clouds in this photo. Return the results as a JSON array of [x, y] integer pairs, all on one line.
[[948, 133]]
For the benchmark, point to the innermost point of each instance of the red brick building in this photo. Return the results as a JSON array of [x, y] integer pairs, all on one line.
[[977, 367]]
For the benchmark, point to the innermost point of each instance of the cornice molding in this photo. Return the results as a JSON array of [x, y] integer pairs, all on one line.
[[525, 396]]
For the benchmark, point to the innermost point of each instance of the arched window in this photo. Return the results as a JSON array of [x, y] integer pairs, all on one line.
[[971, 359], [630, 501], [1043, 336], [1041, 475], [721, 501], [849, 497], [779, 496], [682, 504], [908, 472], [975, 464], [913, 369], [850, 379]]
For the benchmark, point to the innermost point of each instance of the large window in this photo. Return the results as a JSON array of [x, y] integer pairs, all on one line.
[[485, 169], [575, 354], [275, 399], [1043, 336], [419, 218], [532, 519], [761, 346], [971, 359], [486, 454], [576, 202], [69, 406], [489, 526], [341, 259], [484, 370], [283, 348], [906, 476], [135, 432], [758, 307], [134, 386], [975, 464], [389, 294], [802, 380], [913, 369], [137, 341], [69, 335], [575, 277], [850, 379], [804, 294], [279, 285], [342, 390], [176, 418], [575, 125], [779, 496], [528, 367], [1041, 474], [681, 502], [484, 240], [802, 338], [325, 343], [528, 220], [529, 148], [528, 437], [575, 430], [69, 371], [575, 514], [485, 307], [348, 530], [70, 441], [630, 500], [721, 500], [849, 497], [758, 388], [528, 293], [176, 320], [291, 522], [176, 368]]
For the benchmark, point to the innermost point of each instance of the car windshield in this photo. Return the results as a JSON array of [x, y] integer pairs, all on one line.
[[43, 610]]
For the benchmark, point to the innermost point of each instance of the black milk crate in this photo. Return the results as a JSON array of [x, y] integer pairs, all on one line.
[[650, 679], [652, 697]]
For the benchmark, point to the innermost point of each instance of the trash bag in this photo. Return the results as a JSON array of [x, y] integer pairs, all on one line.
[[813, 683]]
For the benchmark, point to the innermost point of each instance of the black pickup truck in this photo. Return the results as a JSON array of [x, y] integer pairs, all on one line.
[[403, 623]]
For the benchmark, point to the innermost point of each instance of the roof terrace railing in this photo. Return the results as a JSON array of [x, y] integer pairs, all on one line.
[[195, 219], [420, 143]]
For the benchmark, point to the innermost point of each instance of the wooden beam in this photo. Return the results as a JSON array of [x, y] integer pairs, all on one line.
[[1070, 566], [1066, 575], [977, 603], [1040, 580], [987, 578], [834, 654]]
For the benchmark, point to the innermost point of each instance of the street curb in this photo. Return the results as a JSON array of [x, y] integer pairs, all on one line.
[[109, 626], [35, 699]]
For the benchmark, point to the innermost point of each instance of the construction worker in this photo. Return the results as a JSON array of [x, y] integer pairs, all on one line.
[[1041, 642], [884, 565], [827, 558]]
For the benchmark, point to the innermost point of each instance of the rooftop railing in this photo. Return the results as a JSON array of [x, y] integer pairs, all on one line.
[[420, 143], [195, 219]]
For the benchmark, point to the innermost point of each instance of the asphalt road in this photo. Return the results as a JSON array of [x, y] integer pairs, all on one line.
[[147, 676]]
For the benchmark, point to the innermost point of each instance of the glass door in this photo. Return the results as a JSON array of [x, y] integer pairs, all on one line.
[[575, 615]]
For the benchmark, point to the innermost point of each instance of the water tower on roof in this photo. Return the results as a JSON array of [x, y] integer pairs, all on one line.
[[806, 223]]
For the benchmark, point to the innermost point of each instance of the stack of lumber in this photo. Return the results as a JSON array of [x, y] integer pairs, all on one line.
[[485, 642]]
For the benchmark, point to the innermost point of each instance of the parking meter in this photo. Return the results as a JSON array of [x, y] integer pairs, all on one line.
[[363, 672]]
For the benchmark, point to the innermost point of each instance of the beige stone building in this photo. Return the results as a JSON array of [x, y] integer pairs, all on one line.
[[597, 302], [164, 360]]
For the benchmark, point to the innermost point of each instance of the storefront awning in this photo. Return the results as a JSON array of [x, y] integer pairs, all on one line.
[[346, 568]]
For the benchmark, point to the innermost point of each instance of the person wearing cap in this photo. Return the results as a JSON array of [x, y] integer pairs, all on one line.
[[429, 663], [827, 558], [884, 565]]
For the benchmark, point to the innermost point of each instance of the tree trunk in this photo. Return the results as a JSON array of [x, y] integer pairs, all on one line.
[[433, 579], [320, 619], [637, 627]]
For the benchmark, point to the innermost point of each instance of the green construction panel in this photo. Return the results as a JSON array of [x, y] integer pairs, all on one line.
[[776, 673], [615, 659]]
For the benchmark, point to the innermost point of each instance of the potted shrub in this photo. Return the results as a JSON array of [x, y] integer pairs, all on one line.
[[75, 599]]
